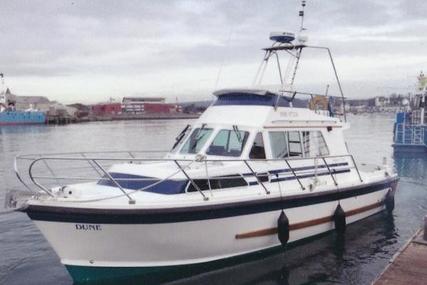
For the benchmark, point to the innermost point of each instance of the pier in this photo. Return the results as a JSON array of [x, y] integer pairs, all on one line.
[[408, 265], [66, 119], [152, 116]]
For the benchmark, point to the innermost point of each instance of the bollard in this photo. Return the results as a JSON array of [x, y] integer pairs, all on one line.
[[425, 228]]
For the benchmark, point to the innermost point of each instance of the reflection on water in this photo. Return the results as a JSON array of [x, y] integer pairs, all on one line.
[[325, 259], [26, 258], [411, 166]]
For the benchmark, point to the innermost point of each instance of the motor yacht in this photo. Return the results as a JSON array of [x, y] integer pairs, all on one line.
[[260, 169]]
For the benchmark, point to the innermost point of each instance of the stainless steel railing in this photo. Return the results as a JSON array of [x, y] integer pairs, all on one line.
[[98, 165]]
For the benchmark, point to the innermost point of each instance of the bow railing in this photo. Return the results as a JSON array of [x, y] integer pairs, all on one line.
[[49, 171]]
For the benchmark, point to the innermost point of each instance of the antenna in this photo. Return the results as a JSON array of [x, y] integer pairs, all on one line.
[[302, 39], [301, 14]]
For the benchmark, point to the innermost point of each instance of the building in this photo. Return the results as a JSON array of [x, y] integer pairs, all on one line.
[[23, 103], [39, 103], [382, 101], [142, 105], [58, 109], [105, 109], [360, 105], [81, 109]]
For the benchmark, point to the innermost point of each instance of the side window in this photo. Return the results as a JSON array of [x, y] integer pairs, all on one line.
[[294, 140], [257, 150], [279, 144], [316, 144], [228, 181], [228, 143]]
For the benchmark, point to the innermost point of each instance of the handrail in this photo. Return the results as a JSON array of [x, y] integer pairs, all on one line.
[[357, 169], [18, 175], [192, 181], [329, 170], [120, 179], [95, 163], [131, 201], [84, 155], [188, 160], [30, 174], [256, 175], [293, 172]]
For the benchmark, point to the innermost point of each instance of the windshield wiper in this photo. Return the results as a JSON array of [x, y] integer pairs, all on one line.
[[237, 132], [196, 138], [180, 136]]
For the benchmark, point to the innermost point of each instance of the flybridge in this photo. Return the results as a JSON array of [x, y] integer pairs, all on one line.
[[256, 97]]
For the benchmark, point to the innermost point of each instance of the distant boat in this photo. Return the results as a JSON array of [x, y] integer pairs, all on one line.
[[10, 116], [22, 118], [410, 127]]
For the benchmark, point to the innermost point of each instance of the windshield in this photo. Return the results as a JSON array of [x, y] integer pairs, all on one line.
[[196, 140], [228, 143]]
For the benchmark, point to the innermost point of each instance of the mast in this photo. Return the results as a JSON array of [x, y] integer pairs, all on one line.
[[285, 41], [301, 14], [300, 39]]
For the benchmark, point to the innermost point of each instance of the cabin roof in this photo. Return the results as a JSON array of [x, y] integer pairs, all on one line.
[[260, 92], [255, 97]]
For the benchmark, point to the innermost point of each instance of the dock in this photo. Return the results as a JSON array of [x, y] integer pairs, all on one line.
[[63, 119], [409, 264]]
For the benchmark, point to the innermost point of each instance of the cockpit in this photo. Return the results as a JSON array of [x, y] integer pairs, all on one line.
[[233, 142], [211, 141]]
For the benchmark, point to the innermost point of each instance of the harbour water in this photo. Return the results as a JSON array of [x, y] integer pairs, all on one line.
[[26, 258]]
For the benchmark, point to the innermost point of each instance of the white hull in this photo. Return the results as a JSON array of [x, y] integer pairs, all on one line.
[[179, 243]]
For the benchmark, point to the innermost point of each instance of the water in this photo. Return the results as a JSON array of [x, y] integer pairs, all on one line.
[[26, 258]]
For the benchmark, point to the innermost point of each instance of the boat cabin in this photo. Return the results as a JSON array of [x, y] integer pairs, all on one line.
[[259, 124]]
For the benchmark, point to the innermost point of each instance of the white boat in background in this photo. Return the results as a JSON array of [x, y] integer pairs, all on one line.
[[257, 170]]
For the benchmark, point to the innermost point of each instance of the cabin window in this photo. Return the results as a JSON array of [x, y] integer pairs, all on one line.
[[228, 143], [285, 144], [294, 141], [196, 140], [314, 144], [257, 150], [228, 181], [279, 144]]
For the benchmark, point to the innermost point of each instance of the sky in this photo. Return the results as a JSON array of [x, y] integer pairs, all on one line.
[[90, 51]]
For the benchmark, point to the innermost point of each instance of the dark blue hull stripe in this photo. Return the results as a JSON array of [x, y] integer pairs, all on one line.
[[184, 214], [296, 169], [309, 175], [171, 187], [252, 183]]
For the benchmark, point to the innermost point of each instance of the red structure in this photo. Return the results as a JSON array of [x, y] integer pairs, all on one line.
[[135, 105], [145, 105], [103, 109], [160, 108]]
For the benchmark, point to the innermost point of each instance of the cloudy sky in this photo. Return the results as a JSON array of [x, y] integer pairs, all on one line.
[[88, 51]]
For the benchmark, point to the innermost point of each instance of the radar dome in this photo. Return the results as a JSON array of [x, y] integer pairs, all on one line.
[[282, 37]]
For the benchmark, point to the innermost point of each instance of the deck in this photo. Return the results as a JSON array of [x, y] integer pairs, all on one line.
[[408, 266]]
